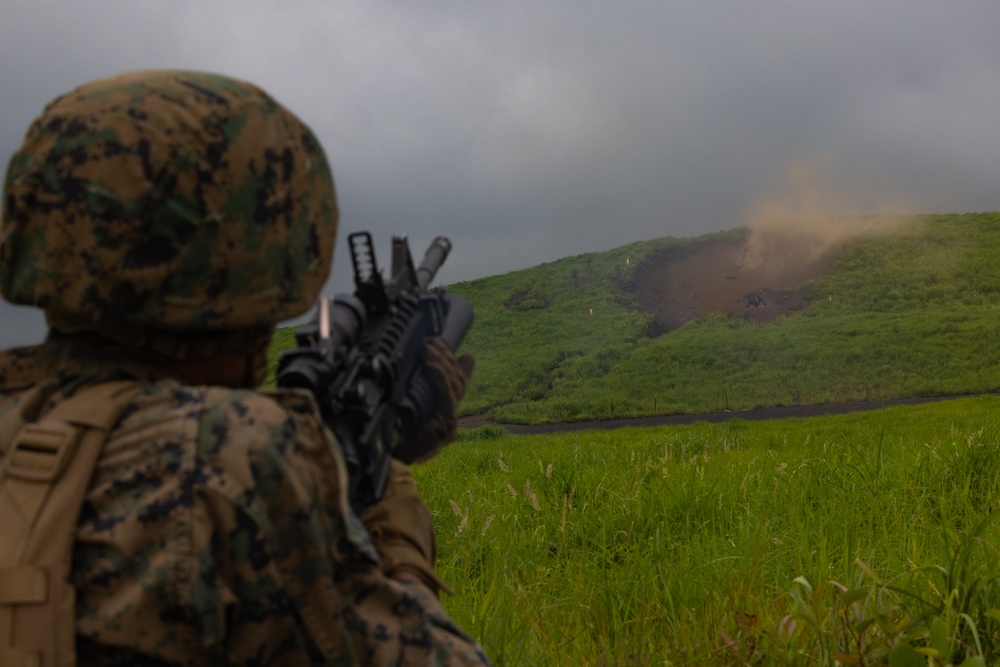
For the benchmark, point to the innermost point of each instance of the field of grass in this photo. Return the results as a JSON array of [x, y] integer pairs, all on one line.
[[862, 539]]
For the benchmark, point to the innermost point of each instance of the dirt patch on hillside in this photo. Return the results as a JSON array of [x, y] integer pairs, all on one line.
[[758, 277]]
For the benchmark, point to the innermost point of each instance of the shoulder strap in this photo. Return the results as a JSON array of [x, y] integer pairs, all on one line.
[[43, 478]]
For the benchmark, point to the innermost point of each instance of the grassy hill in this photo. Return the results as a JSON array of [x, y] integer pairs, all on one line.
[[910, 314]]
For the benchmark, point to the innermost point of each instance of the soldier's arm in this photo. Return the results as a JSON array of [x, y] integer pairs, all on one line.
[[344, 593]]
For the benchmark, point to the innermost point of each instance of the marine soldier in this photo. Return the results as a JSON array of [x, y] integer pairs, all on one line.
[[156, 509]]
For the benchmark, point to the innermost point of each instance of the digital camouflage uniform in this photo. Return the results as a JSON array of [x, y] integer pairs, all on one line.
[[216, 528]]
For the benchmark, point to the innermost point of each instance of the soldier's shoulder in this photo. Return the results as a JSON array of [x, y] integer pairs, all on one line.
[[26, 366], [273, 403], [278, 421], [220, 418]]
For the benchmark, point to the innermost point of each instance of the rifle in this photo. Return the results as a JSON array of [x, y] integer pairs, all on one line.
[[362, 358]]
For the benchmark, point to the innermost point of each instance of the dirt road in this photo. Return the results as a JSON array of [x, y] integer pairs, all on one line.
[[712, 417]]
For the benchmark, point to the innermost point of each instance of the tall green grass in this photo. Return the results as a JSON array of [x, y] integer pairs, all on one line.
[[860, 539]]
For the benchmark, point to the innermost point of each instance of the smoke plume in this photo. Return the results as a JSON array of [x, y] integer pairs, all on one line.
[[813, 212]]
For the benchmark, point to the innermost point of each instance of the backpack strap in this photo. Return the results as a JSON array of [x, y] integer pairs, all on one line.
[[43, 478]]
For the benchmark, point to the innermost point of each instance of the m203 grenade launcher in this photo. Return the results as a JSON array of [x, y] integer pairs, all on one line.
[[362, 358]]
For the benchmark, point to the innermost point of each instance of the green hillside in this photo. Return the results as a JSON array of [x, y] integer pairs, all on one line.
[[911, 314]]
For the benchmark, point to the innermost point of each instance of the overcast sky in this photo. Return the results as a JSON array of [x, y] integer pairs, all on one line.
[[528, 130]]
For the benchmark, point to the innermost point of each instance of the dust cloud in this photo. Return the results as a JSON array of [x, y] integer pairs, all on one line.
[[794, 235], [812, 213]]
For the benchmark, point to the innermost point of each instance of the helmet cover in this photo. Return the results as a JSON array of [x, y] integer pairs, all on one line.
[[168, 200]]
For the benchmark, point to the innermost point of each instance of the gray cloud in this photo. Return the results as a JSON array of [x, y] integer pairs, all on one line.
[[527, 131]]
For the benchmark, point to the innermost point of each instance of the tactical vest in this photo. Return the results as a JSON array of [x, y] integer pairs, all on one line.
[[43, 478]]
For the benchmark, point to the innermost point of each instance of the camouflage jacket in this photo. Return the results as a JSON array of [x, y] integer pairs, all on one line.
[[215, 530]]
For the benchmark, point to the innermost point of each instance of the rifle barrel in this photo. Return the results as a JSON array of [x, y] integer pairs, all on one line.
[[433, 259]]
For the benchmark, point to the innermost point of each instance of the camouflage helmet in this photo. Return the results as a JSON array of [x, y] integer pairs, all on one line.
[[170, 201]]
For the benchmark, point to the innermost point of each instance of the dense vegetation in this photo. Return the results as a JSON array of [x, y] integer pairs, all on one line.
[[913, 314], [861, 539]]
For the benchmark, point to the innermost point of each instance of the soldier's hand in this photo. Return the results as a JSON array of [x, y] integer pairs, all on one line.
[[450, 377]]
